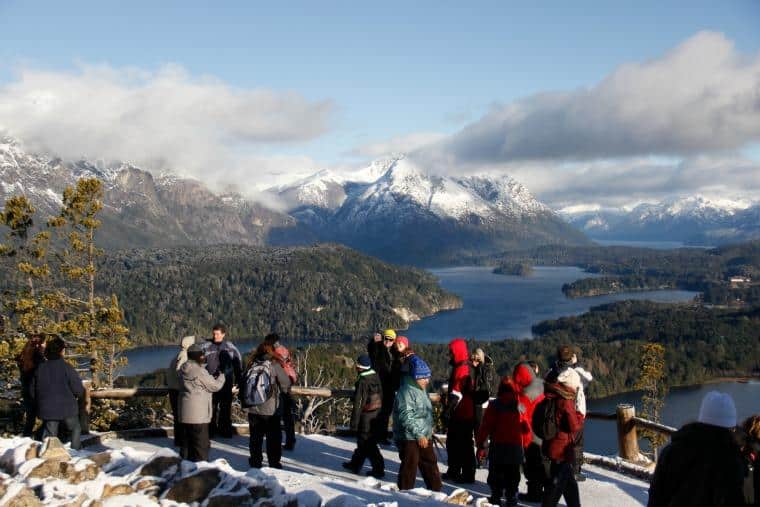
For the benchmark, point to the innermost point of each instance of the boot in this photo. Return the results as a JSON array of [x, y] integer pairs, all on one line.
[[348, 465], [535, 493], [377, 474]]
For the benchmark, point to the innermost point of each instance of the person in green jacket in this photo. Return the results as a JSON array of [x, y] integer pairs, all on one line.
[[413, 428]]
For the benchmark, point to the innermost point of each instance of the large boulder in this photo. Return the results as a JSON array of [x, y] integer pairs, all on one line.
[[53, 449], [161, 466]]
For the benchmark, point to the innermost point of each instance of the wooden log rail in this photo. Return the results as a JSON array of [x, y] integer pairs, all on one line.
[[625, 415]]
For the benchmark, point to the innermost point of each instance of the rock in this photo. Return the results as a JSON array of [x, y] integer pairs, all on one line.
[[89, 473], [48, 468], [101, 459], [158, 466], [194, 488], [259, 492], [24, 498], [110, 490], [53, 449], [458, 497], [230, 500], [32, 451], [150, 486]]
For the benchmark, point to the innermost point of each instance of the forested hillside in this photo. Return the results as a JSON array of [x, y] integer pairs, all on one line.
[[325, 292]]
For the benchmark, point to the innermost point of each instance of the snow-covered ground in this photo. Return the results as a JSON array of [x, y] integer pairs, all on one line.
[[315, 465]]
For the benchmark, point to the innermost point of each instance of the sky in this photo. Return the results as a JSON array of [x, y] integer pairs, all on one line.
[[587, 103]]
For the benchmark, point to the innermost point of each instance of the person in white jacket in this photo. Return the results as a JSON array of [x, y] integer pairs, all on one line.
[[173, 383], [198, 386]]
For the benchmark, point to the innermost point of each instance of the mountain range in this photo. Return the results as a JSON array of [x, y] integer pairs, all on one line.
[[390, 209], [694, 220]]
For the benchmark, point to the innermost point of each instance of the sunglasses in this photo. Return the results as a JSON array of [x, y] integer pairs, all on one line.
[[390, 339]]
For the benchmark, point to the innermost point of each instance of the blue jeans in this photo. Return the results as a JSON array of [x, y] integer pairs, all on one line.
[[71, 424]]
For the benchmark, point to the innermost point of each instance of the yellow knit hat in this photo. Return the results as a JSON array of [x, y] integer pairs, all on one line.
[[390, 333]]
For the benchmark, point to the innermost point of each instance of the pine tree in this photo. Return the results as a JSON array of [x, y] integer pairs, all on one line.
[[652, 381]]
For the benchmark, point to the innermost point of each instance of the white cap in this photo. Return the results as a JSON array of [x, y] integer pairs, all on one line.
[[718, 409]]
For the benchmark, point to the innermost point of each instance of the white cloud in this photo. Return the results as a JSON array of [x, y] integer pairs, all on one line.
[[702, 96], [398, 144], [168, 119]]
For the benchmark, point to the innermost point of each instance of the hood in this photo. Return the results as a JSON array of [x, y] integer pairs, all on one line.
[[190, 369], [458, 348], [186, 342], [527, 382], [559, 390]]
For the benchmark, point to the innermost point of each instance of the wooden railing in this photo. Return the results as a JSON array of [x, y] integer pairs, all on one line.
[[625, 415]]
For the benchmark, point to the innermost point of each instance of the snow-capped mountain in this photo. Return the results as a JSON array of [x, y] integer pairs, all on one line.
[[408, 215], [693, 219], [140, 209]]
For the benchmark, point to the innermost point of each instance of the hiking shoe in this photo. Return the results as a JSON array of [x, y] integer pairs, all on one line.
[[350, 466], [579, 477], [511, 501], [289, 447], [494, 501], [446, 476], [377, 475], [528, 497]]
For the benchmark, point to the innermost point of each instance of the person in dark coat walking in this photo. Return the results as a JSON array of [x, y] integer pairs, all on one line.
[[368, 398], [386, 362], [56, 386], [561, 448], [223, 357], [702, 466], [264, 419], [502, 426], [31, 356], [459, 414], [197, 387]]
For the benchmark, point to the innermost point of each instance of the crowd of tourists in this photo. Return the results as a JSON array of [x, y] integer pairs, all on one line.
[[523, 424]]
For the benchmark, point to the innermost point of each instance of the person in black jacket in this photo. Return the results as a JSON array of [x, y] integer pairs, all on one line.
[[56, 387], [702, 466], [368, 398], [386, 361], [31, 356], [222, 357]]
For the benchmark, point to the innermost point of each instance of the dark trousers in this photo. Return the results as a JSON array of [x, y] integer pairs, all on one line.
[[195, 442], [561, 484], [578, 451], [503, 481], [178, 427], [385, 414], [30, 416], [366, 448], [288, 419], [534, 470], [414, 457], [460, 450], [72, 426], [221, 413], [259, 427]]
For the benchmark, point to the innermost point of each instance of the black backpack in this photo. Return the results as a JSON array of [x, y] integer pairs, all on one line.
[[544, 420], [480, 379]]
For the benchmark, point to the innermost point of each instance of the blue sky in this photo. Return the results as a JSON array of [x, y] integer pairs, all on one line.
[[387, 69]]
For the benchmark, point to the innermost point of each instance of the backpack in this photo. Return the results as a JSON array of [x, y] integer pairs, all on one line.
[[544, 422], [259, 385]]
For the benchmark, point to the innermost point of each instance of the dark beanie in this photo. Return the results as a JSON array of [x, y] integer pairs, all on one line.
[[363, 362], [565, 353], [195, 351]]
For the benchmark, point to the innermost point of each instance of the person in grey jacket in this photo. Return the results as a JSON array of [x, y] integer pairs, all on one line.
[[197, 388], [173, 383], [264, 418]]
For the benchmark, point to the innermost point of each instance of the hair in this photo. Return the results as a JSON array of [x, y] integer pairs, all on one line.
[[751, 429], [219, 327], [55, 348], [533, 365], [260, 351], [564, 353], [26, 357], [272, 338]]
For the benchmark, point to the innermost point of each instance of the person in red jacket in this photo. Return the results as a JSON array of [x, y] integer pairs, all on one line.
[[283, 357], [460, 416], [560, 449], [503, 424], [530, 391]]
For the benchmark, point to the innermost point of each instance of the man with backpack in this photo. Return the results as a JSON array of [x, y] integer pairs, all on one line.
[[283, 357], [265, 379], [197, 386], [368, 398], [459, 415], [222, 357], [556, 422]]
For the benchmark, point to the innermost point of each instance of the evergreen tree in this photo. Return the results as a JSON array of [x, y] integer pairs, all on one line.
[[652, 381]]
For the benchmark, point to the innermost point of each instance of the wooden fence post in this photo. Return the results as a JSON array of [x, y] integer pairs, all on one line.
[[85, 407], [628, 442]]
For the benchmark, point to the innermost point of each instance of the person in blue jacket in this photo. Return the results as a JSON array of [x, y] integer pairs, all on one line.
[[222, 357]]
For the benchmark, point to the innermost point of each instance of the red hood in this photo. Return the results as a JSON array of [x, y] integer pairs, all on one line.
[[458, 348], [523, 375]]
